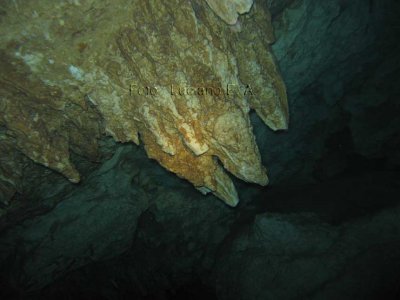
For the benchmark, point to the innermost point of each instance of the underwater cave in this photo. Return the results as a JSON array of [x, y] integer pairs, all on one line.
[[121, 177]]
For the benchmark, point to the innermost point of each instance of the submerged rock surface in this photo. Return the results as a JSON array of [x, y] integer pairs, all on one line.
[[229, 10], [171, 72], [327, 227]]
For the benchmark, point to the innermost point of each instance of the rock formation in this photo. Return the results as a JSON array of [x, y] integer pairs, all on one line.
[[229, 10], [328, 227], [169, 74]]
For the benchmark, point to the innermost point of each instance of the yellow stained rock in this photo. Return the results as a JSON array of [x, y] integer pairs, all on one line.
[[169, 74]]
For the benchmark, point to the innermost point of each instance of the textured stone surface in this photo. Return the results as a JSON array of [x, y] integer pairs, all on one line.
[[229, 10], [37, 118], [114, 210], [337, 239], [74, 232], [332, 55], [173, 73], [130, 225]]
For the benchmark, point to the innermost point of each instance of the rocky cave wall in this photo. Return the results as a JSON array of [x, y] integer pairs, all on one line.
[[174, 73], [327, 227]]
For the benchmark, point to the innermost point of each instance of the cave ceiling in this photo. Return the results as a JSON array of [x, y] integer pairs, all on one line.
[[178, 77]]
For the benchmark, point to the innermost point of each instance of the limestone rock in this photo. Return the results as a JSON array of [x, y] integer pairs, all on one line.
[[229, 10], [76, 229], [169, 74]]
